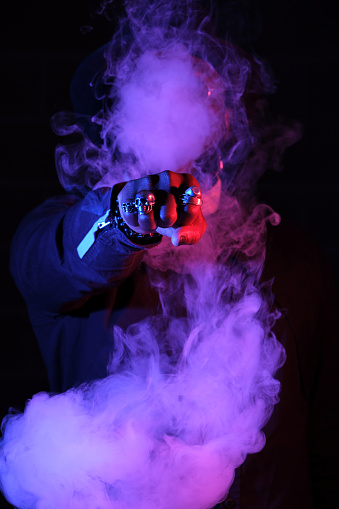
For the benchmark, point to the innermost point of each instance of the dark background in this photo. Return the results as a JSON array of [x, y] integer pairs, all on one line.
[[42, 43]]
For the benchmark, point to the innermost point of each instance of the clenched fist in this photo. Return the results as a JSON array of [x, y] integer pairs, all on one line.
[[172, 214]]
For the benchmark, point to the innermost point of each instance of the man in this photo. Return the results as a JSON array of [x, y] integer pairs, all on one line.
[[78, 261]]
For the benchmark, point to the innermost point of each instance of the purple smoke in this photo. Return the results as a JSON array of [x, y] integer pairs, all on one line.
[[170, 109], [168, 430]]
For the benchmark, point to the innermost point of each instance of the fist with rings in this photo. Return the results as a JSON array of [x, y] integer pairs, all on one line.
[[168, 203]]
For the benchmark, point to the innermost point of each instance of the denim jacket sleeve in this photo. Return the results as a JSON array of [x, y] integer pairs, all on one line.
[[45, 262]]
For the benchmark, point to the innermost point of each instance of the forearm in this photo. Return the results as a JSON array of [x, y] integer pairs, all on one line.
[[45, 262]]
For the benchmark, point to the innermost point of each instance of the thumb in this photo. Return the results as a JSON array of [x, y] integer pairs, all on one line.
[[187, 235]]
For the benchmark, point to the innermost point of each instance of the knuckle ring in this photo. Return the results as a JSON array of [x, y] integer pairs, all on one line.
[[128, 207], [144, 205], [192, 196]]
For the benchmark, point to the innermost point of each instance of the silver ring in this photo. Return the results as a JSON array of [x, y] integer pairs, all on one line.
[[141, 204], [192, 196], [144, 204], [128, 207]]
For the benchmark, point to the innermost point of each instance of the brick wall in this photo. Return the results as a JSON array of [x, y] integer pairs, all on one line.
[[42, 46]]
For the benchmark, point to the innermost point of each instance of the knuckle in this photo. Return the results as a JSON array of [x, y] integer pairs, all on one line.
[[190, 180], [168, 218], [166, 173], [145, 183], [165, 179]]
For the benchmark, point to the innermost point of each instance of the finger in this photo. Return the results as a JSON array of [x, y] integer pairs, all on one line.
[[171, 209], [167, 210], [187, 214], [189, 204], [128, 211], [144, 202]]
